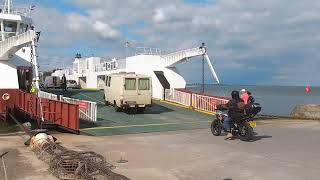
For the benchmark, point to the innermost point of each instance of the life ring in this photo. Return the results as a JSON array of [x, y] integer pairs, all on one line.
[[6, 96]]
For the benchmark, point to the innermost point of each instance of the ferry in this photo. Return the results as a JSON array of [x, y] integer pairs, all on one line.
[[19, 75], [91, 72]]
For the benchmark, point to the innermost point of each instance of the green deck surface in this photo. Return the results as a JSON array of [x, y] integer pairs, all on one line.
[[160, 117]]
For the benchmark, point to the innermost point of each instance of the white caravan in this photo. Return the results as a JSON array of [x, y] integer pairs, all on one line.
[[128, 90]]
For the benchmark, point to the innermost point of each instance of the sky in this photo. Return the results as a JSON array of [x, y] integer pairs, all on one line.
[[274, 42]]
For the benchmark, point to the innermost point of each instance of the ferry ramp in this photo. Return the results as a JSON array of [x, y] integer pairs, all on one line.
[[160, 117]]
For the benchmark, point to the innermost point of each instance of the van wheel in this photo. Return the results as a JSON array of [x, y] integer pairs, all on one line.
[[141, 110], [116, 108], [105, 101]]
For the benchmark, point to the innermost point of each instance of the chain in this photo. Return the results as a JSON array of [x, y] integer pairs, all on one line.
[[31, 64], [31, 55]]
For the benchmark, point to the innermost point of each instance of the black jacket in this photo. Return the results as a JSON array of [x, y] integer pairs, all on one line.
[[234, 111]]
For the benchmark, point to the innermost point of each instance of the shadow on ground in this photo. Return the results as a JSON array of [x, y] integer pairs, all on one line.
[[257, 138]]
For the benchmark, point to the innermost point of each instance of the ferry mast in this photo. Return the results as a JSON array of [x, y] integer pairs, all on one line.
[[8, 5]]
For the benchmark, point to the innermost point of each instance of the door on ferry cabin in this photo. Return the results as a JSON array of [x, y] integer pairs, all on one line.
[[144, 90], [83, 82], [101, 81], [25, 77], [163, 81]]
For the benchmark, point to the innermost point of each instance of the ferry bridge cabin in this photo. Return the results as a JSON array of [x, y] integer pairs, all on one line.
[[18, 68]]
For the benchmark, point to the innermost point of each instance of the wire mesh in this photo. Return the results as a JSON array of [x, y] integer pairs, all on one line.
[[67, 164]]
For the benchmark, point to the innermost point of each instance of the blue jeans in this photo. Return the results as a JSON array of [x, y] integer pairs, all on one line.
[[227, 123]]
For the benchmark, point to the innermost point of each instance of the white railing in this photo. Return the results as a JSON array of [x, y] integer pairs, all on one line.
[[87, 109], [206, 103], [194, 101], [47, 95], [16, 41], [106, 66], [178, 97], [147, 51], [175, 57], [24, 11]]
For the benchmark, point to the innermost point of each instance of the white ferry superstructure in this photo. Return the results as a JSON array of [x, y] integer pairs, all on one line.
[[90, 72], [18, 59]]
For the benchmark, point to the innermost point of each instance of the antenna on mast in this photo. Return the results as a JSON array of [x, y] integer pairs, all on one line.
[[8, 5]]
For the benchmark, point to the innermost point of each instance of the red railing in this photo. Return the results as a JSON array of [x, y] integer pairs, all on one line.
[[196, 101], [60, 113]]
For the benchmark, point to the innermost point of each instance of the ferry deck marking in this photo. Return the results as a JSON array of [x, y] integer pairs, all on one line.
[[145, 125]]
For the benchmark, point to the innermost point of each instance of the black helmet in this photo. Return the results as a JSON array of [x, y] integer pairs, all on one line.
[[235, 95]]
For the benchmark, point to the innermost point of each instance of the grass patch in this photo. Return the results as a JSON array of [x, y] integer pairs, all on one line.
[[8, 128]]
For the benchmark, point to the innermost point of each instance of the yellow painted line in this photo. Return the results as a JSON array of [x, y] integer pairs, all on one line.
[[157, 99], [205, 112], [91, 98], [90, 89], [187, 107], [145, 125], [175, 104]]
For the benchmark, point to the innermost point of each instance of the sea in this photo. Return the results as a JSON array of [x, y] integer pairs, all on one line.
[[275, 100]]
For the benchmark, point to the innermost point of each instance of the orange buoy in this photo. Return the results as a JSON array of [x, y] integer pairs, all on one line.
[[307, 89]]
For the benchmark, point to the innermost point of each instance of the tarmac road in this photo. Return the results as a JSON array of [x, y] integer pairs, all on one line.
[[283, 149]]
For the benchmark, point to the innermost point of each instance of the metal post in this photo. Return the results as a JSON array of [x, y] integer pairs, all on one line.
[[9, 6], [35, 63], [202, 74], [2, 31]]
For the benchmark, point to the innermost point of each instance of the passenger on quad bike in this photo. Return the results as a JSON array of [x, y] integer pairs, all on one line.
[[252, 108], [235, 110], [244, 95]]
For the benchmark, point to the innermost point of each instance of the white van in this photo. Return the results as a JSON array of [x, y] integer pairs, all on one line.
[[128, 90], [52, 82]]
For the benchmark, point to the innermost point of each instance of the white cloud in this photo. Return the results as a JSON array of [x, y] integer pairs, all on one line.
[[77, 23], [238, 33], [104, 30], [159, 16]]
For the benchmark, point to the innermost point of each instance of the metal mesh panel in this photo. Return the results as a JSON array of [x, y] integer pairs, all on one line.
[[66, 164]]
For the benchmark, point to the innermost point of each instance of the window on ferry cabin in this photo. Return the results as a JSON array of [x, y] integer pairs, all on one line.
[[144, 84], [130, 84], [21, 28], [109, 81], [106, 80], [10, 28]]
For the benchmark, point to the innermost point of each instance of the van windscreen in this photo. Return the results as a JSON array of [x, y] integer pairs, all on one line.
[[144, 84], [130, 84]]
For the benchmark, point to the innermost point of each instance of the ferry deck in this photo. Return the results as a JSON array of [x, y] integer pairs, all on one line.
[[162, 116]]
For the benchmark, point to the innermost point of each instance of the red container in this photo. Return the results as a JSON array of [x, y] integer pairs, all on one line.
[[60, 113]]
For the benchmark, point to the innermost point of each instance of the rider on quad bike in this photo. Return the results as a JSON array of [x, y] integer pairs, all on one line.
[[235, 109]]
